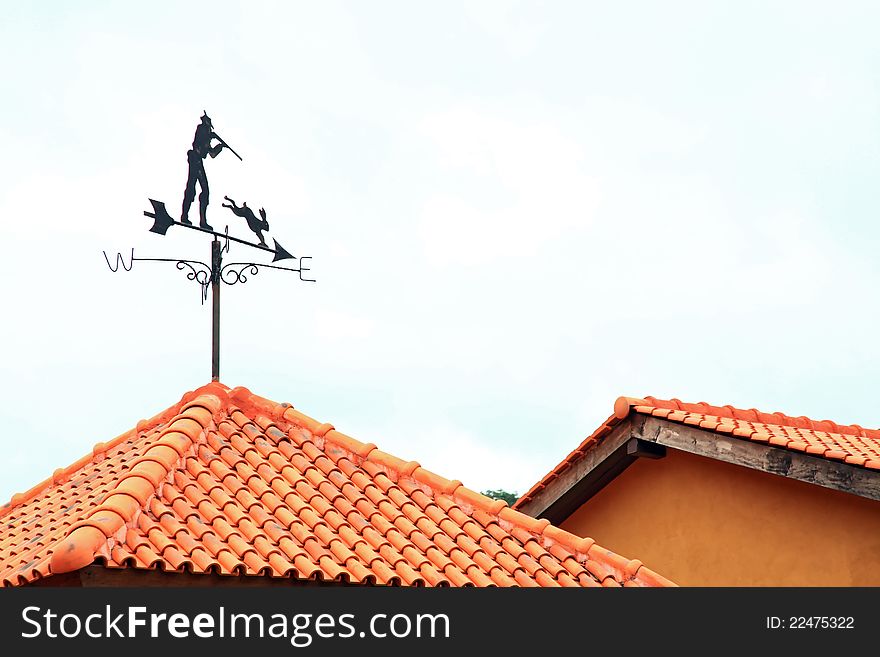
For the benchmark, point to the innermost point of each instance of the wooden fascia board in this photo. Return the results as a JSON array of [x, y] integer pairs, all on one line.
[[558, 494]]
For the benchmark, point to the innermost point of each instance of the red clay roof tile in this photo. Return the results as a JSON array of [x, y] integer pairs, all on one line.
[[232, 483]]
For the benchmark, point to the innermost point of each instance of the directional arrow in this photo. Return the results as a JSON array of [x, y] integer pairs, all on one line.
[[163, 221], [280, 252]]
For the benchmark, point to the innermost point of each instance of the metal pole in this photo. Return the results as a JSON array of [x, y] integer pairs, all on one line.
[[215, 310]]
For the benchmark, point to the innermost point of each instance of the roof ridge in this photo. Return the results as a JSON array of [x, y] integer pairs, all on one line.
[[61, 475], [583, 548], [121, 505], [623, 404]]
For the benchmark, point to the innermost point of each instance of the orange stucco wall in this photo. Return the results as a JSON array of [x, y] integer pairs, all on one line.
[[701, 522]]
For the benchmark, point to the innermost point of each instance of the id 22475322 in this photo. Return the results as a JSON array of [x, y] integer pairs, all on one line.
[[810, 623]]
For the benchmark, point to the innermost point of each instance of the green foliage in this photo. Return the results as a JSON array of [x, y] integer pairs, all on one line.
[[499, 494]]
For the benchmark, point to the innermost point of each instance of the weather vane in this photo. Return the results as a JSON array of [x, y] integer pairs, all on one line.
[[213, 274]]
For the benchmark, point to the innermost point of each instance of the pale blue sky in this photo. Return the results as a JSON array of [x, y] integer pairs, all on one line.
[[517, 212]]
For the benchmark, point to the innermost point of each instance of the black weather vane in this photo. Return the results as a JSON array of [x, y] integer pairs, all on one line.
[[213, 274]]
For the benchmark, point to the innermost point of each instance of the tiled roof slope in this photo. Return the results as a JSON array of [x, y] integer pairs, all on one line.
[[228, 482], [823, 438]]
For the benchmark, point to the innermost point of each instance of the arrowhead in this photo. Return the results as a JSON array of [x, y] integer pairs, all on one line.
[[280, 252], [163, 220]]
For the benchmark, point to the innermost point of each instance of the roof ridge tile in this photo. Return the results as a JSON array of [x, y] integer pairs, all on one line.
[[84, 539], [623, 405], [142, 426]]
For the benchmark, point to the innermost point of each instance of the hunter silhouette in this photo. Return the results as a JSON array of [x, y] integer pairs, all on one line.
[[201, 148], [256, 225]]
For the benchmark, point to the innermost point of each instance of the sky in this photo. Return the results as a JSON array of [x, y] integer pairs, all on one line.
[[516, 212]]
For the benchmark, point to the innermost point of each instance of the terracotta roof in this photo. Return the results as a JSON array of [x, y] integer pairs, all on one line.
[[230, 483], [823, 438]]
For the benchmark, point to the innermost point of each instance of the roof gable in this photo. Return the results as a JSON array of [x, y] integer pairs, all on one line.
[[230, 483], [824, 440]]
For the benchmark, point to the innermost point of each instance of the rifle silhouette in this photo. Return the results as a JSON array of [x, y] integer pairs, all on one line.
[[217, 137]]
